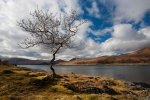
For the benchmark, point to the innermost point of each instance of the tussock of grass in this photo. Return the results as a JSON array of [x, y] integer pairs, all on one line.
[[92, 97], [7, 72], [25, 84]]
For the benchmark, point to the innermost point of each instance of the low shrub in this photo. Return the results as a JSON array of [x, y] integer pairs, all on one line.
[[7, 72]]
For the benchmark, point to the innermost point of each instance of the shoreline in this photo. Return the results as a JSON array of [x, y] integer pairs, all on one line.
[[129, 64], [116, 64]]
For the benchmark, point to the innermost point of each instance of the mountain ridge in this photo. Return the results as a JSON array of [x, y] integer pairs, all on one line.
[[141, 56]]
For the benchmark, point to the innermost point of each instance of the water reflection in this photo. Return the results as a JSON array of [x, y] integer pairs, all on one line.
[[129, 73]]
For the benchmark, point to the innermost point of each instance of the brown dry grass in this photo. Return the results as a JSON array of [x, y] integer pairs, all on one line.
[[24, 84]]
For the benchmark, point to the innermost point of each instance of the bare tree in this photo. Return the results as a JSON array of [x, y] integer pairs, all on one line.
[[50, 31]]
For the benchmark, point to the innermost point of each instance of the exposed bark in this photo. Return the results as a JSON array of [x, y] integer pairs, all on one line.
[[51, 65], [52, 61]]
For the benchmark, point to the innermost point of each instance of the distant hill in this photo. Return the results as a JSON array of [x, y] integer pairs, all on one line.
[[23, 61], [141, 56]]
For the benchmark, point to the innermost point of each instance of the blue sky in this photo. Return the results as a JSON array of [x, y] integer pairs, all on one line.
[[113, 27], [104, 20], [105, 11]]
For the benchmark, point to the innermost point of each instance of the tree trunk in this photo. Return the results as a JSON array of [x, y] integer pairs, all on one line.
[[52, 61], [51, 65]]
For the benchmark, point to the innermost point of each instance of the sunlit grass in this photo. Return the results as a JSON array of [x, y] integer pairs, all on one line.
[[22, 83]]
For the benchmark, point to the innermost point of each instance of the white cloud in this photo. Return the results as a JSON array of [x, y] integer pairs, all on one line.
[[126, 32], [13, 10], [126, 38], [146, 31], [94, 10], [131, 10], [86, 47], [101, 32]]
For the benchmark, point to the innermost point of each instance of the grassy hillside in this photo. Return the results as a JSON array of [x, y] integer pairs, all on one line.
[[24, 84], [137, 57]]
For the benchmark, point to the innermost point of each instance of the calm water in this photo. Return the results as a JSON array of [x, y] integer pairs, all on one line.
[[130, 73]]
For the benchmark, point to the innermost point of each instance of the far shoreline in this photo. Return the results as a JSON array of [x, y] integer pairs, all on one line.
[[129, 64]]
